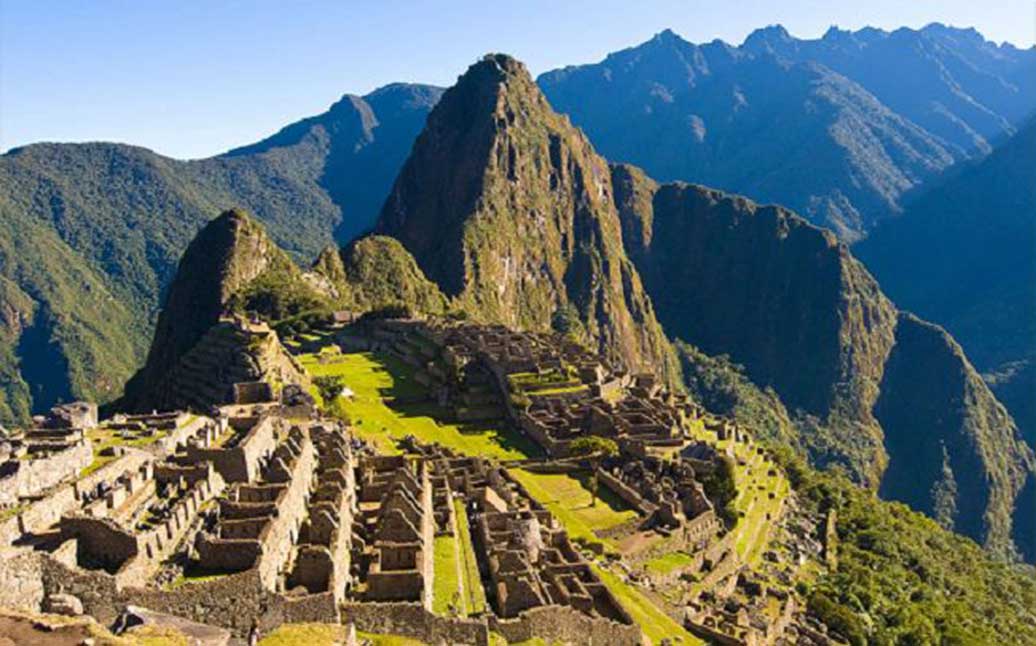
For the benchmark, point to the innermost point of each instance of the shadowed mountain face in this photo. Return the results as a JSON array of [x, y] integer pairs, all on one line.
[[889, 397], [93, 232], [962, 255], [814, 125], [509, 210]]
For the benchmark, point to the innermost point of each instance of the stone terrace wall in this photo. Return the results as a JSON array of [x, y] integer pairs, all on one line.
[[30, 477], [565, 625], [415, 621]]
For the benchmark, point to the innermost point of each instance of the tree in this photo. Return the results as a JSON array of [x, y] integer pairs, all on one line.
[[595, 449]]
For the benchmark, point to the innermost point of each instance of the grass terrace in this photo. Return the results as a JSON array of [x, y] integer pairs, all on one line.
[[755, 487], [568, 497], [668, 562], [474, 593], [446, 593], [385, 407], [327, 635], [548, 382]]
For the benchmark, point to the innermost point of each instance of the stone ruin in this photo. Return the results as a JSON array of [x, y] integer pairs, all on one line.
[[668, 494], [395, 530], [552, 388], [55, 449]]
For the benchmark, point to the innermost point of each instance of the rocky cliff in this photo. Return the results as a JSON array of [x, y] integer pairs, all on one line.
[[508, 209], [888, 397]]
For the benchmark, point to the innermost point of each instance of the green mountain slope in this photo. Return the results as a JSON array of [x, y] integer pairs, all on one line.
[[123, 215]]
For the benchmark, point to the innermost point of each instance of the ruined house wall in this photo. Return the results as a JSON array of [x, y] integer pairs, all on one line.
[[21, 579], [159, 543], [626, 493], [240, 463], [47, 512], [283, 530], [33, 476]]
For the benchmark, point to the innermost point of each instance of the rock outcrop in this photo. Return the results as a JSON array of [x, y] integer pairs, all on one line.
[[376, 271], [508, 209]]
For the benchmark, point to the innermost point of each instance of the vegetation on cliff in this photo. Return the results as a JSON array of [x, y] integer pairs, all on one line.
[[506, 207], [900, 578], [373, 272]]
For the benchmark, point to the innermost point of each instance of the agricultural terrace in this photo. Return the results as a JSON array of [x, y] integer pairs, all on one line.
[[569, 497], [762, 490]]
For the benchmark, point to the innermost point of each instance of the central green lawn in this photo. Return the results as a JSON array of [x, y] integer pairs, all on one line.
[[446, 588], [668, 562], [379, 412], [475, 595], [568, 498]]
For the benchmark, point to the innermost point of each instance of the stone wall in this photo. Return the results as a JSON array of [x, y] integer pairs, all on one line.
[[21, 580], [30, 477], [415, 621], [239, 463], [565, 625], [626, 493]]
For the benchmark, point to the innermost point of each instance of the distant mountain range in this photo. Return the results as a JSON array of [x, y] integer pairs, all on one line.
[[839, 128]]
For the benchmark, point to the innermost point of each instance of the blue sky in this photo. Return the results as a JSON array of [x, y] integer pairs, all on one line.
[[193, 78]]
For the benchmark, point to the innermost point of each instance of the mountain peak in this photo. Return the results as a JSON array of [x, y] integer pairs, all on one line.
[[771, 34], [507, 208]]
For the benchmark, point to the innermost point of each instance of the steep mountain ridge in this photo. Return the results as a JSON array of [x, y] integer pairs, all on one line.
[[962, 255], [878, 392], [508, 209]]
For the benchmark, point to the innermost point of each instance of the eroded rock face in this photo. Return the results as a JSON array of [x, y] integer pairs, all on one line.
[[507, 208], [870, 387]]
